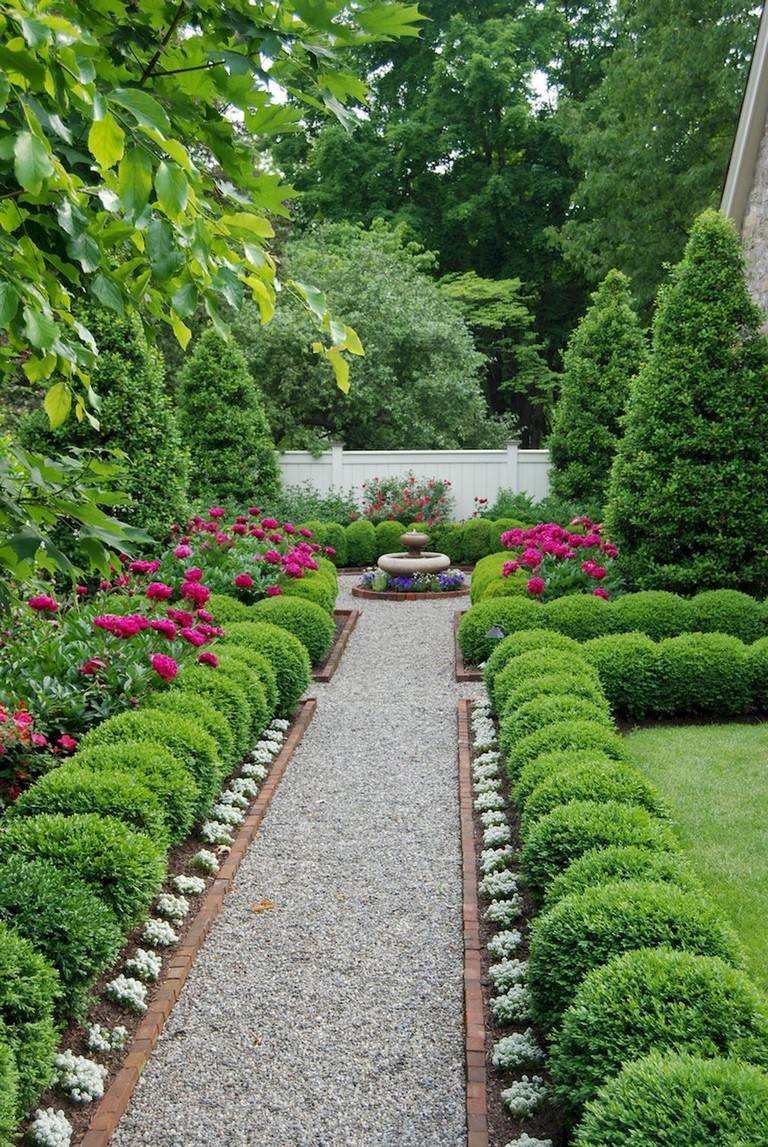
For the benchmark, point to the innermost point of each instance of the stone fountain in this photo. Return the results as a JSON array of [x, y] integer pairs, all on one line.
[[415, 558]]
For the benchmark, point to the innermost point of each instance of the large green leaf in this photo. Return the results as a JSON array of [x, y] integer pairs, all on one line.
[[106, 141], [134, 181], [58, 403], [172, 189], [32, 162], [144, 108]]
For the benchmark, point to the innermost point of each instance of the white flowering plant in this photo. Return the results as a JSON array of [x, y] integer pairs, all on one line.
[[159, 934], [50, 1128], [205, 861], [143, 964], [513, 1006], [486, 801], [503, 944], [517, 1050], [497, 835], [255, 770], [128, 992], [529, 1141], [504, 913], [494, 859], [525, 1096], [103, 1039], [488, 785], [280, 724], [499, 885], [227, 814], [234, 798], [188, 885], [81, 1078], [172, 907], [245, 785], [507, 973], [493, 816], [214, 832]]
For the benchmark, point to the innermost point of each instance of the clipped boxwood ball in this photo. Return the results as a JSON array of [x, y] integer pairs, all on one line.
[[654, 612], [614, 781], [486, 573], [225, 608], [237, 670], [505, 613], [728, 611], [617, 862], [553, 685], [706, 673], [585, 930], [628, 664], [523, 642], [361, 543], [124, 868], [388, 537], [565, 735], [579, 615], [198, 707], [544, 711], [314, 586], [570, 830], [263, 667], [29, 989], [226, 696], [173, 784], [757, 661], [549, 764], [445, 538], [10, 1108], [305, 620], [335, 536], [288, 656], [516, 585], [65, 921], [538, 663], [654, 1000], [477, 540], [680, 1100]]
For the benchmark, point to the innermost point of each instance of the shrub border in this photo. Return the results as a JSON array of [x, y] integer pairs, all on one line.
[[326, 670], [115, 1102], [462, 671], [385, 595]]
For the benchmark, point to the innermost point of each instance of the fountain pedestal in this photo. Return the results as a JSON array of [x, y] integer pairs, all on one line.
[[415, 559]]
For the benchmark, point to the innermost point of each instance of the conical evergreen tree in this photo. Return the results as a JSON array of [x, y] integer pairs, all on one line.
[[222, 419], [605, 351], [688, 497]]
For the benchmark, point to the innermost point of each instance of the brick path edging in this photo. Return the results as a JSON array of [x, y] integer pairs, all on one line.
[[474, 1013], [386, 595], [115, 1102], [326, 671], [463, 672]]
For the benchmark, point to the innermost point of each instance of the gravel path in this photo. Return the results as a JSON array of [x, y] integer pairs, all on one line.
[[335, 1020]]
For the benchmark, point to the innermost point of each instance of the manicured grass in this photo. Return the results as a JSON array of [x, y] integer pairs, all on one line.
[[715, 780]]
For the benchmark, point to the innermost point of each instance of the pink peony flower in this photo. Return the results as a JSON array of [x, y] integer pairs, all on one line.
[[509, 568], [183, 551], [531, 558], [82, 590], [536, 586], [165, 626], [194, 591], [330, 551], [305, 533], [181, 616], [601, 592], [254, 511], [243, 581], [204, 615], [159, 591], [193, 636], [289, 528], [269, 523], [257, 532], [38, 740], [43, 603], [273, 557], [66, 742], [165, 667], [22, 719], [598, 572], [274, 591], [239, 528], [208, 658], [216, 512], [92, 665], [193, 574]]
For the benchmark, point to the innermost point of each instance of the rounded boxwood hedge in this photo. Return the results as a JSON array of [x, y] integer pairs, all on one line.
[[225, 608], [757, 661], [516, 585], [553, 685], [119, 793], [361, 543], [158, 769], [561, 736], [501, 526], [654, 999], [586, 929], [9, 1091], [570, 830], [224, 694], [611, 781], [65, 921], [706, 673], [445, 538], [486, 572], [183, 737], [538, 663], [388, 537], [312, 586], [523, 642], [123, 867], [579, 615], [477, 540], [261, 664], [236, 669], [197, 707], [505, 613], [550, 764], [629, 669], [287, 655], [335, 536], [680, 1100], [728, 611], [617, 862], [654, 612], [544, 711], [305, 620], [29, 989]]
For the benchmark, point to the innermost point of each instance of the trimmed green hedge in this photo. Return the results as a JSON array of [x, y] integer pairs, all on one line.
[[235, 668], [580, 735], [388, 538], [477, 539], [535, 663], [612, 781], [523, 641], [506, 613], [286, 653], [728, 611], [261, 664], [654, 1000], [225, 608], [654, 612], [550, 764], [336, 537], [552, 685], [9, 1091], [29, 989], [361, 543], [544, 711], [314, 586], [226, 696], [305, 620], [198, 707], [629, 668], [707, 673], [486, 573], [579, 615], [616, 862]]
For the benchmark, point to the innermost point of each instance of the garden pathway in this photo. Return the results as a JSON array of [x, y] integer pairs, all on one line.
[[335, 1019]]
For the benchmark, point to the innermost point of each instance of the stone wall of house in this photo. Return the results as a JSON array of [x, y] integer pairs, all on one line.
[[755, 228]]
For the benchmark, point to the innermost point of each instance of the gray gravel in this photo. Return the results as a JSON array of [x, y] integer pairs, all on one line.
[[335, 1020]]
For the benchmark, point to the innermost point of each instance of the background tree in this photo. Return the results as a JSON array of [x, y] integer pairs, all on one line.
[[418, 386], [605, 351], [224, 427], [688, 498]]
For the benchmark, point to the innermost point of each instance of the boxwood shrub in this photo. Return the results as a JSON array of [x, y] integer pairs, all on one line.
[[198, 707], [538, 663], [361, 543], [586, 929], [659, 1000], [523, 642], [287, 655], [505, 613], [619, 862], [29, 989], [225, 608], [553, 685], [757, 661], [183, 737], [65, 921], [261, 664], [388, 537], [629, 668], [579, 615], [73, 789], [654, 612], [516, 585], [314, 586], [445, 538], [501, 526], [544, 711], [224, 694], [305, 620], [237, 670], [327, 569], [610, 781], [728, 611], [588, 735], [158, 769], [550, 764], [705, 673], [486, 571], [570, 830], [681, 1100], [477, 540], [123, 867], [336, 537], [9, 1091]]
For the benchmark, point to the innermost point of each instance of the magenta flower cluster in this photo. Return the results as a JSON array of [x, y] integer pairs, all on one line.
[[559, 560]]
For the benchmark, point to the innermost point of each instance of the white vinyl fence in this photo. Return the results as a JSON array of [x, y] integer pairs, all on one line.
[[473, 473]]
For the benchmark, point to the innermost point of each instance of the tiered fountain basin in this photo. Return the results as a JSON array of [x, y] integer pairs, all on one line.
[[412, 574]]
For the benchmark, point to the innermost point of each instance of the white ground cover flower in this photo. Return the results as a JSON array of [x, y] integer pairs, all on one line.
[[499, 885], [104, 1039], [81, 1078], [517, 1050], [188, 885], [205, 861], [233, 798], [524, 1097], [529, 1141], [494, 859], [488, 785], [280, 724], [491, 757], [513, 1006], [146, 965], [262, 755], [214, 832], [172, 907], [503, 944], [272, 737], [50, 1128], [484, 773], [487, 801], [227, 814], [159, 934], [493, 816], [504, 913], [128, 992], [244, 785], [485, 738], [255, 770], [496, 835], [507, 973]]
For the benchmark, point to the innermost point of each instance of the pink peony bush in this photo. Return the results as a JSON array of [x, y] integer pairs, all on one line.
[[560, 561]]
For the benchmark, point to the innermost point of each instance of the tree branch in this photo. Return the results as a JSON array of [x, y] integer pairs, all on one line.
[[148, 71]]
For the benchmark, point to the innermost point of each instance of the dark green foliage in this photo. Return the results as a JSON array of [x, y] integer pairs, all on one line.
[[604, 352], [9, 1091], [553, 685], [579, 615], [499, 527], [240, 673], [135, 416], [445, 538], [307, 621], [335, 536], [288, 656], [313, 586], [225, 608], [521, 642], [226, 696], [549, 764], [508, 614], [388, 537], [655, 612], [123, 867], [544, 711], [29, 989], [65, 921], [108, 792], [263, 667], [361, 543], [587, 735], [705, 673], [601, 782], [757, 659], [586, 929], [539, 661], [688, 502], [654, 1000], [617, 862], [183, 737], [728, 611], [225, 427], [198, 708], [158, 769], [629, 668], [486, 572], [476, 540], [681, 1100], [570, 830]]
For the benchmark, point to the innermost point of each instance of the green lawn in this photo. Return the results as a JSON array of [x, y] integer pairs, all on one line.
[[715, 779]]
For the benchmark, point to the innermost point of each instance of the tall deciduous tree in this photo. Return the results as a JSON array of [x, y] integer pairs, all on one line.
[[688, 498], [604, 352]]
